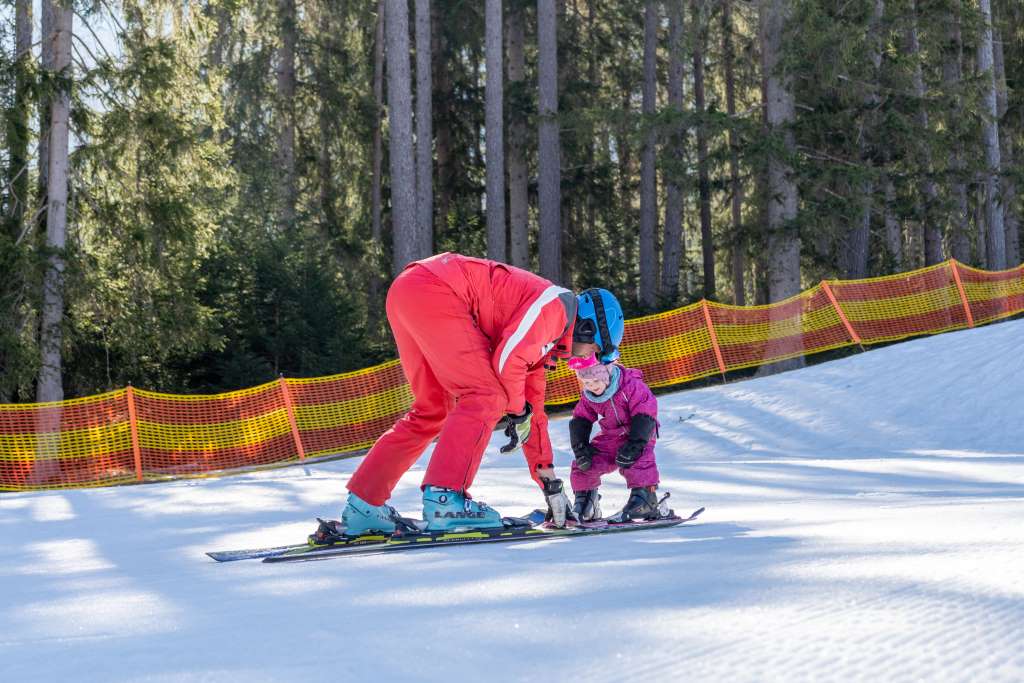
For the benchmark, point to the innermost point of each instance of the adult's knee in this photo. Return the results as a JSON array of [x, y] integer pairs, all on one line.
[[427, 418], [486, 405]]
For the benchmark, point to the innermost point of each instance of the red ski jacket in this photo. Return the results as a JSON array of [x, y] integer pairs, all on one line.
[[528, 321]]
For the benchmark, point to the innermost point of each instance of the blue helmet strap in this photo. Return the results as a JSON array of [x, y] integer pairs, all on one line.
[[602, 321]]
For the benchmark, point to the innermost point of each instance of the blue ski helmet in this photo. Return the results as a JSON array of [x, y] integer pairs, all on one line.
[[599, 320]]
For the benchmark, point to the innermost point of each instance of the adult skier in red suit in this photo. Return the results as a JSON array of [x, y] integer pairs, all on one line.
[[474, 337]]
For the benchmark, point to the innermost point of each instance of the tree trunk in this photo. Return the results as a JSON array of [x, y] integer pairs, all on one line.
[[1011, 221], [405, 242], [518, 188], [739, 244], [45, 64], [599, 138], [980, 247], [995, 240], [854, 253], [424, 133], [496, 233], [648, 200], [376, 227], [929, 195], [549, 150], [952, 76], [707, 245], [50, 386], [626, 229], [17, 119], [783, 238], [378, 146], [893, 231], [444, 96], [673, 246], [568, 73], [286, 112], [325, 164]]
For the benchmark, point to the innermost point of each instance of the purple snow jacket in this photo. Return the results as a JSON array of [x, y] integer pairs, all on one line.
[[633, 397]]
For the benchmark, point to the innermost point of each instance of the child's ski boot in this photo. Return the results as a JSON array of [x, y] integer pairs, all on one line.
[[643, 504], [587, 505], [448, 510]]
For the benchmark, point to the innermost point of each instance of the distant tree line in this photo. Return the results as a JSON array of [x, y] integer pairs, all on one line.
[[200, 196]]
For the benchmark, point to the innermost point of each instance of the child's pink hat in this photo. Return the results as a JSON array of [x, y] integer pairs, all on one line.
[[577, 363], [598, 371]]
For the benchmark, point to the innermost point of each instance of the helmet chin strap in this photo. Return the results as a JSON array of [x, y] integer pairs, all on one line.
[[602, 321]]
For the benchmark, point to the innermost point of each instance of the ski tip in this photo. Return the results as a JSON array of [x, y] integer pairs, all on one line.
[[695, 515]]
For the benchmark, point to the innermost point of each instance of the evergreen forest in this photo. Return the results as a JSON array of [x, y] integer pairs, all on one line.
[[202, 195]]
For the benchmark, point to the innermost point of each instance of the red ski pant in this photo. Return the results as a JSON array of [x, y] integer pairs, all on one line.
[[456, 394]]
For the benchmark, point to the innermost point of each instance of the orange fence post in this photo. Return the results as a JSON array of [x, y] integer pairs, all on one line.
[[291, 418], [842, 316], [714, 337], [133, 422], [963, 295]]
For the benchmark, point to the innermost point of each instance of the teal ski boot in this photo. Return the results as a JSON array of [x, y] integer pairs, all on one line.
[[359, 517], [448, 510]]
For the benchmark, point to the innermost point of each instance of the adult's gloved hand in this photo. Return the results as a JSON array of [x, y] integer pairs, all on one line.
[[579, 439], [517, 429], [641, 428], [559, 506]]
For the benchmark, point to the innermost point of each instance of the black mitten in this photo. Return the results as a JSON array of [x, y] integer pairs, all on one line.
[[579, 438], [640, 431]]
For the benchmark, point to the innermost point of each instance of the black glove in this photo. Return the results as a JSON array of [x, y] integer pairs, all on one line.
[[517, 429], [579, 438], [640, 431]]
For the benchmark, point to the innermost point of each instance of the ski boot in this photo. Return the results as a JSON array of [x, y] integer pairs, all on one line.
[[359, 517], [447, 510], [587, 506], [642, 505]]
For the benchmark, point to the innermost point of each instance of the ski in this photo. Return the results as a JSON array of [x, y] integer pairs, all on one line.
[[257, 553], [366, 539], [425, 539]]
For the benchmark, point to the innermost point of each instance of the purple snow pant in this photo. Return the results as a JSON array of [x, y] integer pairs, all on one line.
[[644, 471]]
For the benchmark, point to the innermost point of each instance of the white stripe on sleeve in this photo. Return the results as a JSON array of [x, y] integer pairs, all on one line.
[[529, 318]]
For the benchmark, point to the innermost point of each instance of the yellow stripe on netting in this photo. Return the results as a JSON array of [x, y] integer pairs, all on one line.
[[907, 275], [32, 407], [217, 435], [343, 375], [667, 348], [210, 398], [805, 322], [993, 288], [68, 444], [902, 306], [353, 411]]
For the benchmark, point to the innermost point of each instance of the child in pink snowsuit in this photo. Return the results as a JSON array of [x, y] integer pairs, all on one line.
[[628, 413]]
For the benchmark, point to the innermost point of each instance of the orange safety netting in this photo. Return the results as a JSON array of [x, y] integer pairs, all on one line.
[[135, 435]]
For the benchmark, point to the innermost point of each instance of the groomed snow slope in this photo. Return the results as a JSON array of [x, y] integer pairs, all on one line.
[[864, 522]]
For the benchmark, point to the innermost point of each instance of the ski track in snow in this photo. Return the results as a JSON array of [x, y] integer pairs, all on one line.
[[863, 524]]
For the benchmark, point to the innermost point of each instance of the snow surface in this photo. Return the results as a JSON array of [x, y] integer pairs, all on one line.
[[864, 523]]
